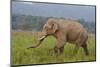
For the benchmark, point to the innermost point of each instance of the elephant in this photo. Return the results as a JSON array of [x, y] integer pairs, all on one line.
[[65, 31]]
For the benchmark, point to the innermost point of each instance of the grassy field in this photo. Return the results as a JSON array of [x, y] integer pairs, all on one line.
[[41, 55]]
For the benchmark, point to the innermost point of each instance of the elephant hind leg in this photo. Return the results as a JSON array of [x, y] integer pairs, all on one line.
[[84, 46]]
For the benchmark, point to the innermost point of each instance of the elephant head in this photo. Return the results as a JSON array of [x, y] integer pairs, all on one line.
[[49, 28]]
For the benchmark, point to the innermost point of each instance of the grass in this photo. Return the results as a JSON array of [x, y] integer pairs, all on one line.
[[41, 55]]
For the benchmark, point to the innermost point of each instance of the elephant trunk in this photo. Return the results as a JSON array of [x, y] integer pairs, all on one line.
[[36, 44], [39, 41]]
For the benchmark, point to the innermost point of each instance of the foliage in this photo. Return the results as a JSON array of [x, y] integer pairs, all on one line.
[[24, 22], [90, 26], [28, 22]]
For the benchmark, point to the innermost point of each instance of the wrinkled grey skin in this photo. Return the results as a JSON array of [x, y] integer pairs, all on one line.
[[65, 31]]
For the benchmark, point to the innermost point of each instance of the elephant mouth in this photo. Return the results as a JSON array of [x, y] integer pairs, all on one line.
[[41, 38]]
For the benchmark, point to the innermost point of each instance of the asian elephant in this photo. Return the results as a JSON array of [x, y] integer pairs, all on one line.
[[65, 31]]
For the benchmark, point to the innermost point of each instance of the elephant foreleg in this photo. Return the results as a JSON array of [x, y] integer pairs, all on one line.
[[62, 49], [58, 51], [59, 48]]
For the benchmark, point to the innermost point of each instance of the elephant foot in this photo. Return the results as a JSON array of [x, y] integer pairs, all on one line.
[[58, 51], [51, 52]]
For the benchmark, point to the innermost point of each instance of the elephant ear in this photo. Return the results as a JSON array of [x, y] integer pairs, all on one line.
[[54, 27]]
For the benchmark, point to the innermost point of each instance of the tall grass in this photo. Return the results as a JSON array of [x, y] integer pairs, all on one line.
[[20, 55]]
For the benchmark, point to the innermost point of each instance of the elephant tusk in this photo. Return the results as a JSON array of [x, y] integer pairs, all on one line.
[[42, 38]]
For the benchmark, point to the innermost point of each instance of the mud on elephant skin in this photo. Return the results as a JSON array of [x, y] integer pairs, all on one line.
[[65, 31]]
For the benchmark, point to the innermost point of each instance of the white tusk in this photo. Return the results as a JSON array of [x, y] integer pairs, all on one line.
[[42, 38]]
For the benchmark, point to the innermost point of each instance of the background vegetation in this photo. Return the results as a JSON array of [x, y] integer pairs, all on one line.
[[35, 23]]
